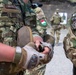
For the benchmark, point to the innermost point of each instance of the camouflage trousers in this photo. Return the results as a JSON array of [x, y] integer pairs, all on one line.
[[39, 70], [56, 33]]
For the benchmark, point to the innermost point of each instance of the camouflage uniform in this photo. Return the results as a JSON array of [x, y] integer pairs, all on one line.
[[39, 70], [56, 27], [70, 42]]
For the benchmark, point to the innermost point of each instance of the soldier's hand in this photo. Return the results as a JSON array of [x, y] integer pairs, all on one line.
[[43, 47], [46, 50], [33, 56]]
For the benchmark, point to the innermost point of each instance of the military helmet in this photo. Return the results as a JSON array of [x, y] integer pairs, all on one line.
[[73, 21]]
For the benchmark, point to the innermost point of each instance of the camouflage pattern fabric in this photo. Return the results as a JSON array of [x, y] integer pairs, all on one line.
[[39, 70], [70, 46], [30, 20], [56, 31], [10, 22]]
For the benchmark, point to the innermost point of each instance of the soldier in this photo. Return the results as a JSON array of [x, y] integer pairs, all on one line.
[[38, 32], [55, 23], [19, 49], [69, 42]]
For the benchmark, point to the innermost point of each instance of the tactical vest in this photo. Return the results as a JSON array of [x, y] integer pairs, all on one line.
[[10, 22], [56, 19]]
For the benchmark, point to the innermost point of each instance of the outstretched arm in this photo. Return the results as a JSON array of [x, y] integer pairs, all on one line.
[[26, 57]]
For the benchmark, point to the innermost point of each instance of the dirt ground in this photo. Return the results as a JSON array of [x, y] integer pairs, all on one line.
[[49, 8]]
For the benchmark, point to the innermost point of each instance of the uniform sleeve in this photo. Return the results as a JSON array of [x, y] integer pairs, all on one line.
[[66, 45], [70, 51]]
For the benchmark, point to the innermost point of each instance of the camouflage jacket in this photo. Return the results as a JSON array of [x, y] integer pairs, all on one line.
[[69, 45]]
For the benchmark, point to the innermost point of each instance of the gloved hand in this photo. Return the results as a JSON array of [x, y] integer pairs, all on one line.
[[33, 56], [43, 47], [47, 50]]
